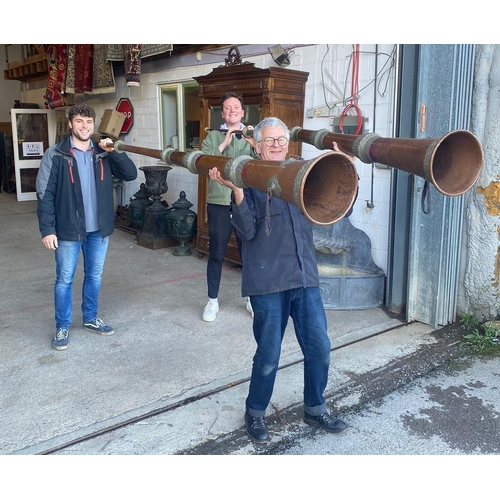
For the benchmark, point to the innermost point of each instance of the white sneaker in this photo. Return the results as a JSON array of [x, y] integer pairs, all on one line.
[[211, 310], [249, 306]]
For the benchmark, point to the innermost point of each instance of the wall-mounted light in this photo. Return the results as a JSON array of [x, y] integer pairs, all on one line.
[[279, 55]]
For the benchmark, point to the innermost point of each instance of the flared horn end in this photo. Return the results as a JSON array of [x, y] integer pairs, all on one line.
[[455, 163], [329, 188]]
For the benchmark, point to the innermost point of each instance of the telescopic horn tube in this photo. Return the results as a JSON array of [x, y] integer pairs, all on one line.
[[323, 188], [452, 163], [245, 131]]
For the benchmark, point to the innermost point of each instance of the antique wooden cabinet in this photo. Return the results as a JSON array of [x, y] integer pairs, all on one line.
[[267, 92]]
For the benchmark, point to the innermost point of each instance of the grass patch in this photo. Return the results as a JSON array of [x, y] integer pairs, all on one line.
[[480, 338]]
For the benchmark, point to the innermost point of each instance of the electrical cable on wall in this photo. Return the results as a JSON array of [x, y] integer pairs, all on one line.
[[338, 93], [353, 106]]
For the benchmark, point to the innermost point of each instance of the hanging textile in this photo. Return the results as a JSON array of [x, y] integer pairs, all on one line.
[[132, 62], [77, 69], [83, 68], [70, 69], [103, 81], [57, 76], [132, 55], [115, 50]]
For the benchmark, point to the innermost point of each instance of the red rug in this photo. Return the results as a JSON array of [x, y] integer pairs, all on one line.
[[57, 75]]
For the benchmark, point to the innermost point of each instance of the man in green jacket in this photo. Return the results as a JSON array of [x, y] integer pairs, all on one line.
[[219, 197]]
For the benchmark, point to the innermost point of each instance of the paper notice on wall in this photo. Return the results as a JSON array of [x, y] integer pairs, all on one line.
[[32, 149]]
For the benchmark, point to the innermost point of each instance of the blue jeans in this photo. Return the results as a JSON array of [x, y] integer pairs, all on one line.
[[94, 253], [271, 313]]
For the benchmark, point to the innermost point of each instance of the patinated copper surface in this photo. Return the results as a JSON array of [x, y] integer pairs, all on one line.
[[323, 188], [452, 163]]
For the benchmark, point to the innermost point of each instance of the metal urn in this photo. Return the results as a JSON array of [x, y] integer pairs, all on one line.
[[154, 234], [181, 223], [138, 205]]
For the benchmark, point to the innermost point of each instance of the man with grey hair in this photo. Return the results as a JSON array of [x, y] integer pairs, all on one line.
[[280, 276]]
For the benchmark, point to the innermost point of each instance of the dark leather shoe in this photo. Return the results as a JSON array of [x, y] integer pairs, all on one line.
[[325, 422], [256, 428]]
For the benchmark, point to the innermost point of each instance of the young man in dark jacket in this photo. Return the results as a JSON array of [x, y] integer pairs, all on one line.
[[75, 212], [280, 275]]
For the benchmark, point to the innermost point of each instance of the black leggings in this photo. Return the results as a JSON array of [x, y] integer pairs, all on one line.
[[219, 232]]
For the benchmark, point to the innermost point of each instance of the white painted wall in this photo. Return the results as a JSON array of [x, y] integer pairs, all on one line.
[[376, 96], [480, 295]]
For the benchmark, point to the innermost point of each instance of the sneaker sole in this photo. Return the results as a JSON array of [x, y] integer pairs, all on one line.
[[60, 347], [104, 334], [315, 424], [210, 319]]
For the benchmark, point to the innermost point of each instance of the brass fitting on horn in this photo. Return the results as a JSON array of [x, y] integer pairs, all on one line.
[[119, 146]]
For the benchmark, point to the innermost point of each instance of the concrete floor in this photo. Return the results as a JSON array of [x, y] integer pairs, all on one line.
[[162, 356]]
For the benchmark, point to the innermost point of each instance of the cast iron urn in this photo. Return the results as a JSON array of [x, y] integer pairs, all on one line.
[[138, 206], [181, 223], [154, 234]]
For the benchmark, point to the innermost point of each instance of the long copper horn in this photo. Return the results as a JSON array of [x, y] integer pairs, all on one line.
[[323, 188], [245, 131], [451, 163]]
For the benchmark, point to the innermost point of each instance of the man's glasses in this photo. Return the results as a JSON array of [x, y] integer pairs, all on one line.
[[269, 141]]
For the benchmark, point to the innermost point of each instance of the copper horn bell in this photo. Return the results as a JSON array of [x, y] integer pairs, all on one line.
[[451, 163], [323, 188]]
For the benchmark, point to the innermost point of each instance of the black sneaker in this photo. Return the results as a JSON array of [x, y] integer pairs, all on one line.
[[325, 422], [256, 428], [60, 340], [97, 325]]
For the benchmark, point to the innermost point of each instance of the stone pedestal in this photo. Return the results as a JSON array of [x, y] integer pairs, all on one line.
[[154, 234]]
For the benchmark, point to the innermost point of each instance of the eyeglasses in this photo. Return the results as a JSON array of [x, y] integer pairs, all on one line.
[[269, 141]]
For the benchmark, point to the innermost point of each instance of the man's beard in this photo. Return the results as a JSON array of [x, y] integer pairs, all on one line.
[[77, 134]]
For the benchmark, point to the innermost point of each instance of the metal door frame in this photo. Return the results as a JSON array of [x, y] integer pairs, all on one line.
[[425, 248]]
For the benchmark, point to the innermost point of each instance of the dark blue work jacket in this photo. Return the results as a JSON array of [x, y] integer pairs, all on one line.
[[277, 252], [60, 202]]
